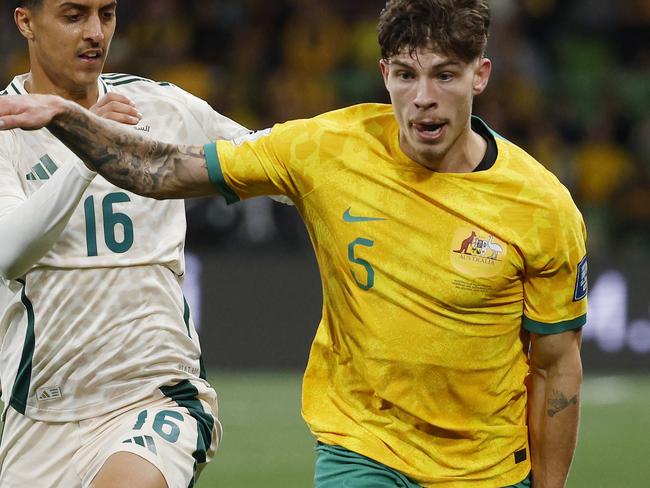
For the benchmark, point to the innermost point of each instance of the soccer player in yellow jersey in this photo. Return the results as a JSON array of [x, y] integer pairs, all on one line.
[[453, 264]]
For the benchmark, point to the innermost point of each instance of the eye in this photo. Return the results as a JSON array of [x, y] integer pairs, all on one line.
[[108, 16], [73, 17], [446, 76], [404, 75]]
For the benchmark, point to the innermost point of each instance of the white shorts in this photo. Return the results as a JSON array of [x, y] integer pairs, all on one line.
[[177, 432]]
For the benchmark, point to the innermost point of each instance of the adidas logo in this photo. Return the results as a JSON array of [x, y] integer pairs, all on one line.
[[144, 441], [48, 393], [42, 170]]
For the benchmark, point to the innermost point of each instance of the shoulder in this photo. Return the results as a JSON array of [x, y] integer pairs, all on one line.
[[355, 121], [521, 165], [356, 117], [537, 184], [132, 84], [15, 86]]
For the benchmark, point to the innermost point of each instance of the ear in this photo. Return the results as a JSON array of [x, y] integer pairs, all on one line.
[[385, 69], [23, 18], [481, 75]]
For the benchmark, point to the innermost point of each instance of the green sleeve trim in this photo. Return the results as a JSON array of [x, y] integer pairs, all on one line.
[[556, 328], [216, 175]]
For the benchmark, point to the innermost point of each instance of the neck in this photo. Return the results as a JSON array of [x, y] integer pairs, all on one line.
[[466, 155], [39, 82]]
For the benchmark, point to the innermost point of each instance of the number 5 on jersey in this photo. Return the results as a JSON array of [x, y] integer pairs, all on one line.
[[111, 220], [369, 282]]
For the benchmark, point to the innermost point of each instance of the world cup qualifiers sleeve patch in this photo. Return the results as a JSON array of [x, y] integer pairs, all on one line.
[[251, 136], [581, 281]]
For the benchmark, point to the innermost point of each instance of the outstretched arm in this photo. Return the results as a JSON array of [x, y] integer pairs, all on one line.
[[30, 225], [554, 405], [125, 158]]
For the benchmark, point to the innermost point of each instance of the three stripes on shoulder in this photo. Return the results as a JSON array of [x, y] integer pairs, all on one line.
[[144, 441], [117, 79], [43, 169]]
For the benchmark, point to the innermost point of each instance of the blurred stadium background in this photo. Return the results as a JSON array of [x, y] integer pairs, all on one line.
[[571, 84]]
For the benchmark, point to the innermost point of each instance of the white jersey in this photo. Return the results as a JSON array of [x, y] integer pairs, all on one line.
[[5, 298], [100, 321]]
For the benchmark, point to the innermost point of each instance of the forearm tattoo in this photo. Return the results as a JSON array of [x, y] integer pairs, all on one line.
[[559, 402], [128, 160]]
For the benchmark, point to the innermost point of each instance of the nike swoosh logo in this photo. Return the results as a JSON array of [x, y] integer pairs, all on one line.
[[347, 217]]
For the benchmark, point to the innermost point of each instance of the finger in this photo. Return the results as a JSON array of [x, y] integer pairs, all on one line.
[[117, 97], [115, 110], [21, 121], [108, 99], [120, 107], [101, 103], [27, 112], [122, 118]]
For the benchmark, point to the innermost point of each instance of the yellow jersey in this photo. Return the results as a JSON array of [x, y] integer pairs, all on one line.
[[420, 358]]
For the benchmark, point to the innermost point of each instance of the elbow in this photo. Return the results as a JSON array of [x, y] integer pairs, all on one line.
[[13, 265], [142, 190], [157, 195], [168, 192], [9, 271]]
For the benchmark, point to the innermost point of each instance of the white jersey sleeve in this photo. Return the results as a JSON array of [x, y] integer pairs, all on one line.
[[29, 226], [215, 126]]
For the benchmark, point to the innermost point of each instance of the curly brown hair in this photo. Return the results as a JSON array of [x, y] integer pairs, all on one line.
[[457, 28]]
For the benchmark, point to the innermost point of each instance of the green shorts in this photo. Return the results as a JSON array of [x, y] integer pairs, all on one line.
[[337, 467]]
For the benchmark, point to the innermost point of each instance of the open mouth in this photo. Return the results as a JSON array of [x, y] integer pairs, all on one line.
[[90, 56], [429, 131]]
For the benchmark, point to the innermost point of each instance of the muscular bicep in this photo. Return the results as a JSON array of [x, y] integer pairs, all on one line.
[[556, 371], [556, 352]]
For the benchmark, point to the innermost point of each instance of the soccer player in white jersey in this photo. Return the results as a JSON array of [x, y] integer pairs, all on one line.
[[100, 364]]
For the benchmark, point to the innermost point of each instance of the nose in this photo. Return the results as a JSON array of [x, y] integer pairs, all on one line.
[[93, 30], [426, 95]]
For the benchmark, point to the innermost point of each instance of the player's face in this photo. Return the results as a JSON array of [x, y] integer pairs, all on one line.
[[432, 98], [69, 40]]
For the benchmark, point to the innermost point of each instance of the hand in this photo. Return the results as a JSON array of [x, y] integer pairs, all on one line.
[[29, 112], [118, 108]]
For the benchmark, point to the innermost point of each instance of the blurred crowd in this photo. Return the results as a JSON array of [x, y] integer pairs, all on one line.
[[571, 84]]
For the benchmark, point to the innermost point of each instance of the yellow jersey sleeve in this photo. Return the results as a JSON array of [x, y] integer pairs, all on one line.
[[555, 281], [259, 169], [284, 160]]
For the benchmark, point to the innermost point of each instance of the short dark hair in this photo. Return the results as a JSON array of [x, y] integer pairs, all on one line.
[[28, 3], [456, 28]]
